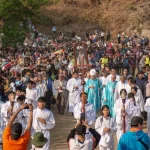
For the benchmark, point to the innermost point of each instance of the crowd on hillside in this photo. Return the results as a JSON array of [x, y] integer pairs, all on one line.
[[42, 73]]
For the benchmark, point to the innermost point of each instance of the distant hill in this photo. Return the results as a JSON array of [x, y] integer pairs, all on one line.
[[82, 15]]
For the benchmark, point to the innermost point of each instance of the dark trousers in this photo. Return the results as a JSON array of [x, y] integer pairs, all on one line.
[[48, 97], [60, 103]]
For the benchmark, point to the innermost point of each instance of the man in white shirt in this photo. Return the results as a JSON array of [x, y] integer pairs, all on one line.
[[43, 121], [74, 87]]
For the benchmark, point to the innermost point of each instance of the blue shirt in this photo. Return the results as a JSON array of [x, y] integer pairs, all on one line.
[[130, 141]]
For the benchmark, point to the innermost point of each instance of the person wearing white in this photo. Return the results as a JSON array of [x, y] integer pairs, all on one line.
[[122, 84], [74, 87], [8, 109], [43, 121], [139, 100], [1, 121], [119, 109], [31, 94], [106, 126], [90, 113], [103, 79], [77, 141], [113, 72], [147, 109], [23, 115], [133, 106]]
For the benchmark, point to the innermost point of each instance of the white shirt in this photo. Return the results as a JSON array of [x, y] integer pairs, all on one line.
[[31, 94], [90, 113], [76, 145], [4, 110], [103, 80], [45, 114]]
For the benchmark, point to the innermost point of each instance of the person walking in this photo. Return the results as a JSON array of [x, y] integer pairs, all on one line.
[[43, 120], [135, 138], [106, 126]]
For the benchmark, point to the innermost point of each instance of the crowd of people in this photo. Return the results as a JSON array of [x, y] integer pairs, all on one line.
[[43, 73]]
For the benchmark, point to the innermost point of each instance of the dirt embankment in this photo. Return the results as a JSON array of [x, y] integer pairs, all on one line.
[[83, 15]]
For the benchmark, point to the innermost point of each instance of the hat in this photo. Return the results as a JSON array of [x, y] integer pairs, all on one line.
[[81, 129], [16, 131], [38, 139], [136, 120], [93, 72]]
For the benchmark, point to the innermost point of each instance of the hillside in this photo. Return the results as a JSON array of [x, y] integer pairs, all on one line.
[[82, 15]]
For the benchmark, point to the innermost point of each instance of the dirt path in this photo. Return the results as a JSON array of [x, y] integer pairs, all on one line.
[[64, 123]]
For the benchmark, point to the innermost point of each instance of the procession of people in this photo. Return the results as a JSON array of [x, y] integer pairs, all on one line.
[[45, 71]]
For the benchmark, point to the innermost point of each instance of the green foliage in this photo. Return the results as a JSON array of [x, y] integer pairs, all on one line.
[[12, 12]]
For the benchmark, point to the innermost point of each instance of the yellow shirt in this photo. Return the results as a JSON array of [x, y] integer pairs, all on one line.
[[147, 61], [104, 61]]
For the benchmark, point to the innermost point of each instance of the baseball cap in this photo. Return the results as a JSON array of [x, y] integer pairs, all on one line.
[[136, 120], [81, 129], [16, 131]]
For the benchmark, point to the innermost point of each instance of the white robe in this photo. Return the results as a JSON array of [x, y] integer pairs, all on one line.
[[129, 109], [39, 127], [139, 100], [109, 78], [31, 97], [147, 109], [1, 121], [102, 123], [74, 94], [103, 80], [4, 112], [90, 113], [118, 88]]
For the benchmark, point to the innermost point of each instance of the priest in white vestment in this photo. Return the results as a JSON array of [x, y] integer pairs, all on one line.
[[74, 87]]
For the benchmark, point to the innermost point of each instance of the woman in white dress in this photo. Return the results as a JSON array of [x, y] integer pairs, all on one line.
[[106, 126]]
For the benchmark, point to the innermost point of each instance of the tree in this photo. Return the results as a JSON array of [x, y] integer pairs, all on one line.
[[15, 14]]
